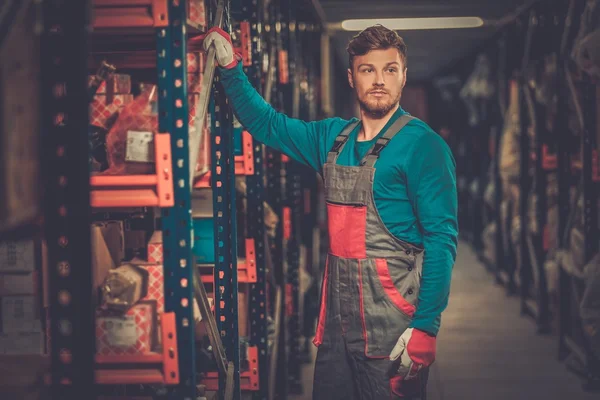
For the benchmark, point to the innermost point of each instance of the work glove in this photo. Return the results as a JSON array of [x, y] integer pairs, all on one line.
[[414, 351], [226, 57]]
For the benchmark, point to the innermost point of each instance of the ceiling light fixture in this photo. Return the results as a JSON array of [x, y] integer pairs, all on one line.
[[412, 23]]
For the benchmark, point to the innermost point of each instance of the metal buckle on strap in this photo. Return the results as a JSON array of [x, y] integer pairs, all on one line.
[[381, 143], [339, 142]]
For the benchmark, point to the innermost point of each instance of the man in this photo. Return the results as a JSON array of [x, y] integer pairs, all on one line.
[[390, 188]]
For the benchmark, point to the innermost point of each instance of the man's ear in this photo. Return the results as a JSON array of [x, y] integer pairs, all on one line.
[[350, 78], [404, 82]]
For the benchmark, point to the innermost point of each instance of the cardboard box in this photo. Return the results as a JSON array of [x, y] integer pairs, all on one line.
[[18, 284], [156, 291], [20, 314], [155, 248], [196, 12], [22, 343], [114, 237], [130, 334], [104, 109], [102, 262], [17, 256]]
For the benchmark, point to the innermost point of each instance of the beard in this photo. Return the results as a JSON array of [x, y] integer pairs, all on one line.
[[378, 108]]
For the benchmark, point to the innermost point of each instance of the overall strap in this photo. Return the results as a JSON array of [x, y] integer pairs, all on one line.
[[373, 154], [340, 141]]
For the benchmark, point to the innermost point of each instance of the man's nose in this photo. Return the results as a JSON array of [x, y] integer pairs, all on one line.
[[379, 81]]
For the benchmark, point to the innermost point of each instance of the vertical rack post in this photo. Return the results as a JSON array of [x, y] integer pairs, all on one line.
[[224, 208], [293, 201], [251, 11], [67, 199], [177, 221], [275, 175]]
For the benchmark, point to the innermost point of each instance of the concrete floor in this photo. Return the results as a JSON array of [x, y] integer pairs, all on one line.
[[486, 350]]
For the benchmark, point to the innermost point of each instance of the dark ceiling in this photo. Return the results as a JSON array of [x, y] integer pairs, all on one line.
[[428, 51]]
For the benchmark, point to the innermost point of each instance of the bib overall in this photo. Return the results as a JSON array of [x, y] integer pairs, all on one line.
[[370, 287]]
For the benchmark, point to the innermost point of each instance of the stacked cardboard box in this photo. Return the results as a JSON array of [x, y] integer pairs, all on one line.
[[20, 308]]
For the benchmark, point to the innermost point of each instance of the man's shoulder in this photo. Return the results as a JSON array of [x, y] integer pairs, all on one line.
[[421, 132]]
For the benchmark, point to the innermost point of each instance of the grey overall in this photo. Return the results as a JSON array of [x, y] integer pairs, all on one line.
[[370, 287]]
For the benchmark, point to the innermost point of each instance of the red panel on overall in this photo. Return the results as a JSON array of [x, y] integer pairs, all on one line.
[[347, 230]]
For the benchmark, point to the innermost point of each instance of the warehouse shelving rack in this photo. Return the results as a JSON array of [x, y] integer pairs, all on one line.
[[71, 195]]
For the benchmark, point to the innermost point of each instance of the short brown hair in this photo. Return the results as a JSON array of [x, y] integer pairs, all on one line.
[[376, 37]]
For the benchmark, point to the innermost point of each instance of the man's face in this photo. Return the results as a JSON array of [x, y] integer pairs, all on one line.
[[378, 78]]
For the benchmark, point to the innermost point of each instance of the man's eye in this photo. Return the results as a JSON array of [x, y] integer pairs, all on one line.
[[392, 70], [368, 70]]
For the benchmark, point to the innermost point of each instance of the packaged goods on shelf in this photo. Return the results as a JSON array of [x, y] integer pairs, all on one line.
[[22, 343], [105, 108], [124, 287], [17, 256], [155, 248], [114, 84], [113, 234], [196, 12], [102, 261], [139, 116], [18, 284], [156, 290], [132, 333], [20, 314]]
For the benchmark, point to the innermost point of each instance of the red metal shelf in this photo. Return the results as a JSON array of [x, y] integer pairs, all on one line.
[[246, 267], [248, 379], [244, 164], [154, 190]]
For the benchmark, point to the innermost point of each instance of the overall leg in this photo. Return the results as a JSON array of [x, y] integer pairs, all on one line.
[[333, 379], [377, 381]]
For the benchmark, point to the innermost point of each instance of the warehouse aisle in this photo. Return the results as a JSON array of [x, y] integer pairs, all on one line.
[[486, 350]]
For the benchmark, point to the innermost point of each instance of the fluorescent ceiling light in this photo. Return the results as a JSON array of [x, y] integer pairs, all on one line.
[[413, 23]]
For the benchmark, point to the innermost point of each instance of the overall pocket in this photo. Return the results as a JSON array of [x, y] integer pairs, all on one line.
[[385, 312]]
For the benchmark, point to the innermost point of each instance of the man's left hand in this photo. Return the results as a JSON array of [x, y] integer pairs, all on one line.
[[414, 351]]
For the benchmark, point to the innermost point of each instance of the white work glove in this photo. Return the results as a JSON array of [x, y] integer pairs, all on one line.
[[414, 351], [226, 57]]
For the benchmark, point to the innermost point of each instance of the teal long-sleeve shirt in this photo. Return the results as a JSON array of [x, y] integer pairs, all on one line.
[[414, 186]]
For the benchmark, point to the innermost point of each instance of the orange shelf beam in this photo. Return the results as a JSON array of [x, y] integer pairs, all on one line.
[[149, 358], [124, 14], [129, 376], [154, 190], [248, 379], [246, 267]]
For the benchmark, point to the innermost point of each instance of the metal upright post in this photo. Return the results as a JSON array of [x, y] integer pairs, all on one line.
[[177, 221], [256, 227], [67, 197], [224, 208]]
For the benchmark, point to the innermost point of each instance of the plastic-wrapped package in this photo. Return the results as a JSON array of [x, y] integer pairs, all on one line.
[[510, 157], [478, 88], [139, 116], [489, 242], [123, 287]]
